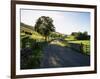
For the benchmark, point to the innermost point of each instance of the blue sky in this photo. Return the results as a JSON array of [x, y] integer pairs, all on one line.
[[64, 21]]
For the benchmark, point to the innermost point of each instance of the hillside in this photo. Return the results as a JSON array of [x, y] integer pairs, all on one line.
[[26, 28]]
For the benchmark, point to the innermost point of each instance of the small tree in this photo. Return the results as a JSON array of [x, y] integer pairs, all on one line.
[[44, 26]]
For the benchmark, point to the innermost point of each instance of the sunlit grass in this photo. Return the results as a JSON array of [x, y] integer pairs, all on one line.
[[60, 43], [70, 37], [85, 42], [37, 37]]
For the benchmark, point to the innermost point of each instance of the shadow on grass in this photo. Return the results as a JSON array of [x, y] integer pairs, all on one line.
[[31, 53]]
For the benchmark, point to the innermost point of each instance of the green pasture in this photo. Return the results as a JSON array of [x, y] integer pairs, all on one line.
[[70, 37], [85, 42]]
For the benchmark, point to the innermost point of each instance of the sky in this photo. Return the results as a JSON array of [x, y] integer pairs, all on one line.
[[65, 22]]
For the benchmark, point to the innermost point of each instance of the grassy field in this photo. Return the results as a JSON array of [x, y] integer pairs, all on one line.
[[85, 42], [70, 37]]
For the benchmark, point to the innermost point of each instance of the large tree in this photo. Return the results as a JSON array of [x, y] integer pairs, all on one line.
[[44, 26]]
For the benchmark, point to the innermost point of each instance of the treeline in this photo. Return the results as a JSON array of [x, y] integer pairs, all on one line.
[[81, 35]]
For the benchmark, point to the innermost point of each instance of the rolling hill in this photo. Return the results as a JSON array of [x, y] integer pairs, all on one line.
[[26, 28]]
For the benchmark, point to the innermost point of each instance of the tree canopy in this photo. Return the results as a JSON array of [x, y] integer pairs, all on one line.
[[81, 36], [44, 26]]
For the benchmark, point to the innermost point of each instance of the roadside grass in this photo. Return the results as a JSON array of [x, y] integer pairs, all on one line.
[[60, 43], [85, 42]]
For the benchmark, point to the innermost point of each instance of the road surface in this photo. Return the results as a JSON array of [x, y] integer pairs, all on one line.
[[57, 56]]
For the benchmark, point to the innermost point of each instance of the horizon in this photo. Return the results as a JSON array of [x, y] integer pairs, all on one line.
[[70, 21], [57, 31]]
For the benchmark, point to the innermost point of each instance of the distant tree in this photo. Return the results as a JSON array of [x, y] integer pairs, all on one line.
[[85, 33], [86, 36], [74, 33], [81, 36], [44, 26]]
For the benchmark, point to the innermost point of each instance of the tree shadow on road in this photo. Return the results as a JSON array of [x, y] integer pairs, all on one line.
[[55, 56]]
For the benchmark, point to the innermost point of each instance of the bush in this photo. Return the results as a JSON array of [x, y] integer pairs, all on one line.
[[81, 36]]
